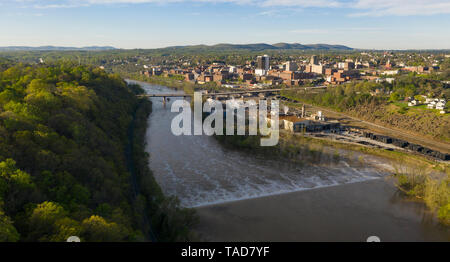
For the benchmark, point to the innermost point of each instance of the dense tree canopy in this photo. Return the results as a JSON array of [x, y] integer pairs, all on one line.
[[64, 170]]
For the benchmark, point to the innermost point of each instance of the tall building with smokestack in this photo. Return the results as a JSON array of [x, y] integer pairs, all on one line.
[[262, 65]]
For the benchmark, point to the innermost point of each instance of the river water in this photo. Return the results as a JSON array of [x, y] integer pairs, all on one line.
[[205, 175], [199, 171]]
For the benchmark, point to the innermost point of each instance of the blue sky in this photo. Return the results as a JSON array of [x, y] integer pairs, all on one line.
[[379, 24]]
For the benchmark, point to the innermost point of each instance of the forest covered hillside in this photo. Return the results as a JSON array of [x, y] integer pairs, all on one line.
[[72, 159]]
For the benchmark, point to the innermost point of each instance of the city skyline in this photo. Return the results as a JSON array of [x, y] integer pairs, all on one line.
[[360, 24]]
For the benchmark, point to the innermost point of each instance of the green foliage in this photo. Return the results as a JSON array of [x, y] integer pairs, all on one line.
[[8, 232], [444, 214], [10, 173], [95, 228], [65, 168], [435, 191], [341, 98], [394, 97], [46, 222], [437, 197]]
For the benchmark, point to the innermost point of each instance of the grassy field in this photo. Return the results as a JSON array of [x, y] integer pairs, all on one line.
[[402, 107]]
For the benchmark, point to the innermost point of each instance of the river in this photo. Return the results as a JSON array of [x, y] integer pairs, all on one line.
[[205, 175]]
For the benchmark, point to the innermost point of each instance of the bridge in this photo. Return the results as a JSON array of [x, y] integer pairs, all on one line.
[[213, 94], [164, 96]]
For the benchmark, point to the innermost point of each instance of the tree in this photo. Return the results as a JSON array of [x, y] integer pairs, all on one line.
[[9, 172], [394, 97], [8, 232], [97, 228], [15, 185], [63, 134], [43, 220], [65, 228]]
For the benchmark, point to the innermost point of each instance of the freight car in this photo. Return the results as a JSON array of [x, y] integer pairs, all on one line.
[[406, 145], [400, 143]]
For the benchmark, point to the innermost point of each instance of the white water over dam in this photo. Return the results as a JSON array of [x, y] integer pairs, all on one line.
[[199, 171]]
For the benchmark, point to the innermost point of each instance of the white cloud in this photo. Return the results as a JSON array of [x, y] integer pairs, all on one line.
[[309, 31], [264, 3], [52, 6], [401, 7], [356, 7], [279, 12], [302, 3], [166, 1], [336, 30]]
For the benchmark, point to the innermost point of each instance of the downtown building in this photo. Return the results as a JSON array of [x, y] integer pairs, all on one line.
[[262, 65]]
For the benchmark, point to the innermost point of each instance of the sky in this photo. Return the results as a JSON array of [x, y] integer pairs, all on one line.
[[368, 24]]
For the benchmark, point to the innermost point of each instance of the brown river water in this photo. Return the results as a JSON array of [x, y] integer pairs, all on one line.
[[226, 186]]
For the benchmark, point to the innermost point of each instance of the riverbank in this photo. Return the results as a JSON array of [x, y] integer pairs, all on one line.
[[296, 146], [160, 217], [350, 212], [415, 177], [201, 172]]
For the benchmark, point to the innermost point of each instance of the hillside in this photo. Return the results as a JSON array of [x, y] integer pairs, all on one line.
[[55, 48], [72, 159], [259, 47]]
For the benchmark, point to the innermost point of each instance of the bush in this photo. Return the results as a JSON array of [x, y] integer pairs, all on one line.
[[433, 190]]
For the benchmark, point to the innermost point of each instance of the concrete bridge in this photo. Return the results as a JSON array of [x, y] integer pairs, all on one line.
[[213, 95], [164, 95]]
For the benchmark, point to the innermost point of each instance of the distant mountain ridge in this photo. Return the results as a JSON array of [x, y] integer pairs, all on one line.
[[217, 47], [263, 46], [54, 48]]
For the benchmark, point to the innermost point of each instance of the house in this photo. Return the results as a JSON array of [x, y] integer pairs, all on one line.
[[389, 80], [440, 106], [428, 100], [413, 103], [390, 72]]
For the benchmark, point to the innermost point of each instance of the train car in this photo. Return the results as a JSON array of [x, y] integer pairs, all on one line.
[[384, 139], [400, 143]]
